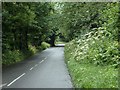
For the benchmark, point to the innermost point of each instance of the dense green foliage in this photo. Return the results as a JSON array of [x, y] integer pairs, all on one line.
[[78, 19], [90, 28], [25, 27], [86, 74], [95, 48], [94, 44]]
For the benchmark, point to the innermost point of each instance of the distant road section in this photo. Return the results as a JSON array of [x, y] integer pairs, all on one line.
[[59, 45]]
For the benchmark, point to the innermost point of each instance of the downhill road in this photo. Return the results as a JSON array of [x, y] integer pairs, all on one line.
[[45, 69]]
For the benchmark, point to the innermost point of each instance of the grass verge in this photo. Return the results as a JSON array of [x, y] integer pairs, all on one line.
[[90, 76]]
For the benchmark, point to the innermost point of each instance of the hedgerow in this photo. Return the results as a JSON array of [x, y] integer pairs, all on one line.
[[96, 47]]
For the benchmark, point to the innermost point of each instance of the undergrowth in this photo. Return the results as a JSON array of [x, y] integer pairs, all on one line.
[[11, 57], [93, 60], [45, 45]]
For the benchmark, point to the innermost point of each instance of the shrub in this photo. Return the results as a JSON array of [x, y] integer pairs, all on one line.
[[97, 48], [32, 49], [45, 45], [11, 57], [91, 61]]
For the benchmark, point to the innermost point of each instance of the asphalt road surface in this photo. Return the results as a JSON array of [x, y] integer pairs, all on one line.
[[46, 69]]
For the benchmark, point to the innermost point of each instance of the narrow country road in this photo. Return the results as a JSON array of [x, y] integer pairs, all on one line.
[[46, 69]]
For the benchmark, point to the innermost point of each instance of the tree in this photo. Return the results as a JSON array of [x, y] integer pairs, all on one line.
[[80, 18], [24, 23]]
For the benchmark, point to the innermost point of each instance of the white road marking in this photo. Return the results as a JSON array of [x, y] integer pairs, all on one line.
[[36, 65], [15, 79], [45, 58], [41, 61], [31, 68], [3, 85]]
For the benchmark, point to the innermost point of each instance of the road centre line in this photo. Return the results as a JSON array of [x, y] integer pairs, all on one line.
[[42, 61], [31, 68], [45, 58], [39, 62], [16, 79], [36, 65]]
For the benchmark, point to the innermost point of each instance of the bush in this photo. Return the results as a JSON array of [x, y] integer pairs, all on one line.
[[11, 57], [93, 60], [97, 48], [85, 73], [32, 49], [45, 45]]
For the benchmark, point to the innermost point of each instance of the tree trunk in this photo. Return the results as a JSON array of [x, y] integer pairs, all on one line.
[[15, 40], [23, 40], [52, 40]]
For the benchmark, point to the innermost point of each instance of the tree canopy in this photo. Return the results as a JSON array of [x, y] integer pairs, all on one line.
[[29, 24]]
